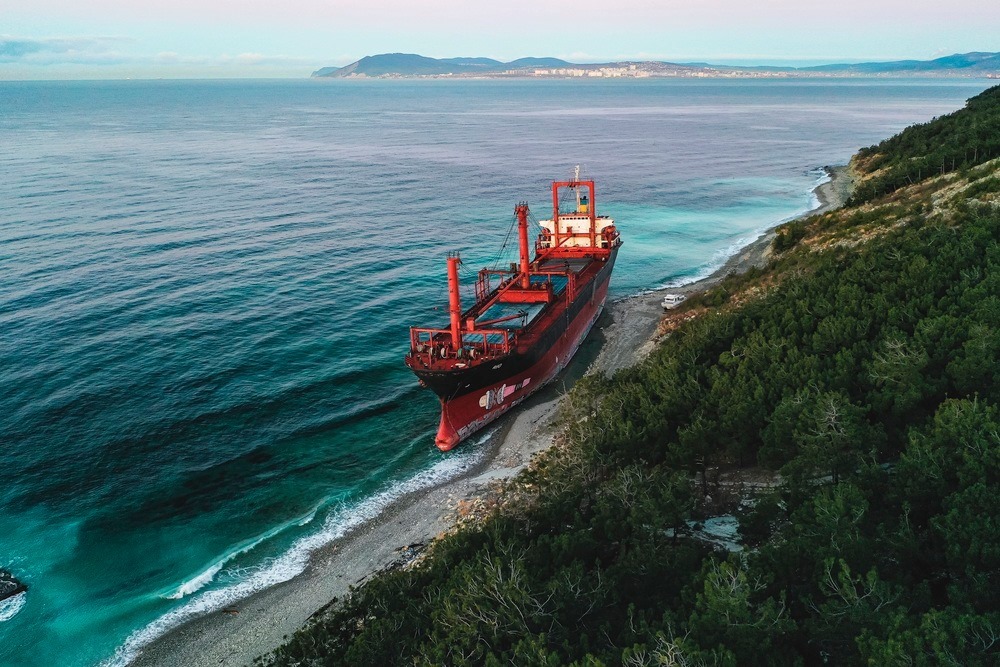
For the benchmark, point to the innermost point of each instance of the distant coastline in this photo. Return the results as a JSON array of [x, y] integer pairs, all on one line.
[[413, 66]]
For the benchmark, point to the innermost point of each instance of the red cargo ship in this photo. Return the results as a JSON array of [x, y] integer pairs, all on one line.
[[527, 322]]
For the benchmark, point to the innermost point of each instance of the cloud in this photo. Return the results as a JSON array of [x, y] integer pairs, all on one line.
[[52, 50], [12, 49], [242, 60], [29, 57]]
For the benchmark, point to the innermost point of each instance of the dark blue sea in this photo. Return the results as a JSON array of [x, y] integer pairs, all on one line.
[[205, 290]]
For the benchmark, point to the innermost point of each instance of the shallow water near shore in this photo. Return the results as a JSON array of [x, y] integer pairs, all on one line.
[[205, 289]]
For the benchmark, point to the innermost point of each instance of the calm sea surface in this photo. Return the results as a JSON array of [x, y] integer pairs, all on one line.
[[205, 289]]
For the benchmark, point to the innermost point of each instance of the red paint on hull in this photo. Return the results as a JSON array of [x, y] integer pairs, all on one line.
[[498, 352], [464, 415]]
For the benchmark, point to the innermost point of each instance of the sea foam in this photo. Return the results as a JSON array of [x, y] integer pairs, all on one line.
[[294, 561], [720, 257], [199, 581], [12, 605]]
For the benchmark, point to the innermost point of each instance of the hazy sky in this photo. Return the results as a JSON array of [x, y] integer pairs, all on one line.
[[41, 39]]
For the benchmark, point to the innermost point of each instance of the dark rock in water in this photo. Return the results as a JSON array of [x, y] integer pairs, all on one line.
[[9, 586]]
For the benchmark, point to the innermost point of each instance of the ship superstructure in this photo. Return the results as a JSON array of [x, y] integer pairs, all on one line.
[[528, 320]]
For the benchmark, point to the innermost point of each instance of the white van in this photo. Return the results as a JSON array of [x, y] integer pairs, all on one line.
[[672, 300]]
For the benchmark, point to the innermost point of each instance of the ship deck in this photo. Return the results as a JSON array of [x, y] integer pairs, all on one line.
[[500, 309], [585, 270], [573, 264], [531, 311], [536, 318]]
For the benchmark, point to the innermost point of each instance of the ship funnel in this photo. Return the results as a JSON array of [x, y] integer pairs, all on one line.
[[454, 302]]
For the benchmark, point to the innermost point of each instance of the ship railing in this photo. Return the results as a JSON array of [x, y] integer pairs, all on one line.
[[476, 344]]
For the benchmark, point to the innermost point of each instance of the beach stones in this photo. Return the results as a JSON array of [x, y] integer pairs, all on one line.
[[9, 586]]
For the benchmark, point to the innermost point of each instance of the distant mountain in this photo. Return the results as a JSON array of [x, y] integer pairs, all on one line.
[[976, 61], [473, 62], [325, 71], [537, 62], [397, 63], [411, 64]]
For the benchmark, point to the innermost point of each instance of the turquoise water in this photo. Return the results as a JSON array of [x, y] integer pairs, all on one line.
[[205, 289]]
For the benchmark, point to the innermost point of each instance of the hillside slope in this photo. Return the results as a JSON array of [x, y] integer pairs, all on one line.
[[975, 61]]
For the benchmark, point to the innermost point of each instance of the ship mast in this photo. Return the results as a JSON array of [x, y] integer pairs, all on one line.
[[522, 231], [454, 302]]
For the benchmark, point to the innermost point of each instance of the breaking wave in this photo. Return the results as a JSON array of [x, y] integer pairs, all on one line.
[[199, 581], [294, 561]]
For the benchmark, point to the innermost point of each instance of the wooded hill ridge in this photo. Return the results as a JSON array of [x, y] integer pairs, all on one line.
[[404, 64], [841, 403], [975, 64]]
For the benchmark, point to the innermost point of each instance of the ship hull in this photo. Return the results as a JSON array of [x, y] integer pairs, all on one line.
[[474, 398]]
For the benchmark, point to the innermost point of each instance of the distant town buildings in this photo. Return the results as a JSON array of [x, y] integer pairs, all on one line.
[[630, 70], [642, 71], [652, 69]]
